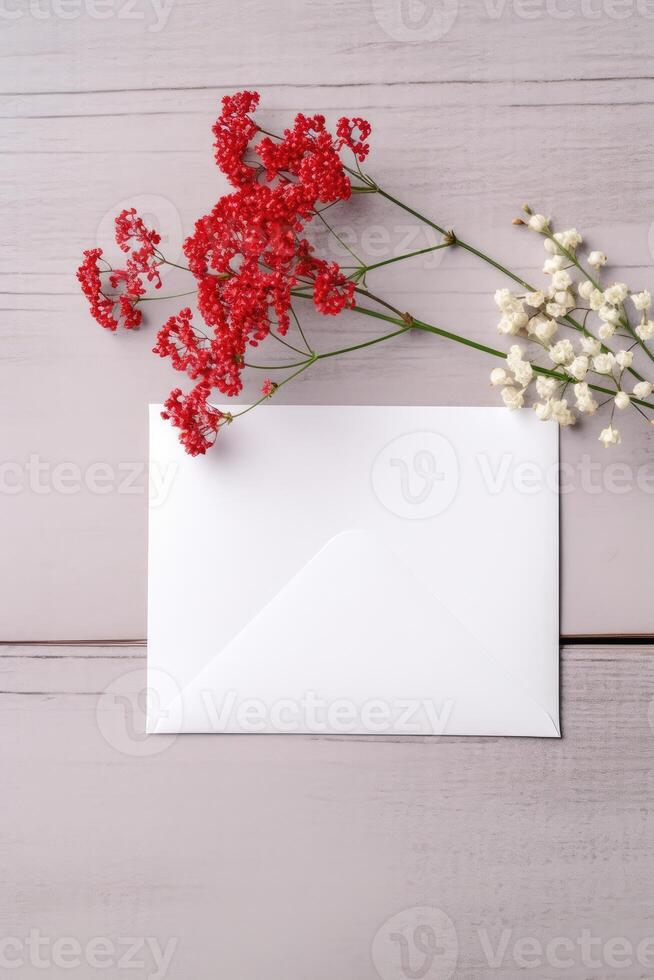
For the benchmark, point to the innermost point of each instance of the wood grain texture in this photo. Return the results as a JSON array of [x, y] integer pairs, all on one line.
[[510, 101], [203, 45], [283, 856]]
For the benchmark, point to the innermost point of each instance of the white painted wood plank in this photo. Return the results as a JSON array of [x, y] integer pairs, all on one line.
[[130, 46], [283, 856]]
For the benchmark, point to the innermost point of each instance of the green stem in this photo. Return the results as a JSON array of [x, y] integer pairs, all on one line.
[[338, 238], [407, 255], [151, 299], [448, 335], [457, 241], [335, 353], [264, 398], [367, 343], [281, 340], [184, 268], [571, 322]]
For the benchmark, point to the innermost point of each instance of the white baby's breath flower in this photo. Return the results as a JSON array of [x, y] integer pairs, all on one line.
[[503, 299], [596, 299], [643, 389], [609, 436], [590, 346], [546, 386], [561, 279], [642, 301], [535, 299], [553, 264], [562, 352], [585, 288], [624, 359], [522, 370], [514, 316], [523, 373], [499, 376], [569, 239], [564, 298], [514, 356], [609, 314], [562, 414], [606, 331], [603, 363], [512, 323], [616, 293], [543, 410], [579, 367], [512, 398], [538, 222], [584, 399], [622, 400], [645, 330], [556, 309], [596, 259], [543, 328]]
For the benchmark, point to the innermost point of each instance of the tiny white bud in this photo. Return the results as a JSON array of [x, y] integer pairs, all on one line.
[[603, 363], [512, 398], [543, 410], [616, 293], [590, 346], [645, 330], [643, 389], [609, 436], [642, 301], [538, 222], [499, 376], [597, 259], [579, 367], [561, 279]]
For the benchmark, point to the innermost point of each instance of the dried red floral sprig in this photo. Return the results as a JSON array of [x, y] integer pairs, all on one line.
[[247, 255], [115, 300], [251, 262]]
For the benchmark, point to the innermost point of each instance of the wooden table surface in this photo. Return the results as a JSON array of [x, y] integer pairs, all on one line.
[[291, 857], [283, 856]]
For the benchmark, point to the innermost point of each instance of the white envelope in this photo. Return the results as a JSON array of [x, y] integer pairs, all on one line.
[[356, 570]]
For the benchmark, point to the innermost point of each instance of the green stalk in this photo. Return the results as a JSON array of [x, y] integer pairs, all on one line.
[[448, 335], [465, 245], [400, 258], [571, 322]]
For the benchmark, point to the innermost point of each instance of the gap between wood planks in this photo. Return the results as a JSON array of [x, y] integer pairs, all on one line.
[[586, 639], [337, 85]]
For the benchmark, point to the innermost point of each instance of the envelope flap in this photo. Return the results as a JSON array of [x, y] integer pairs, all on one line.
[[356, 626]]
